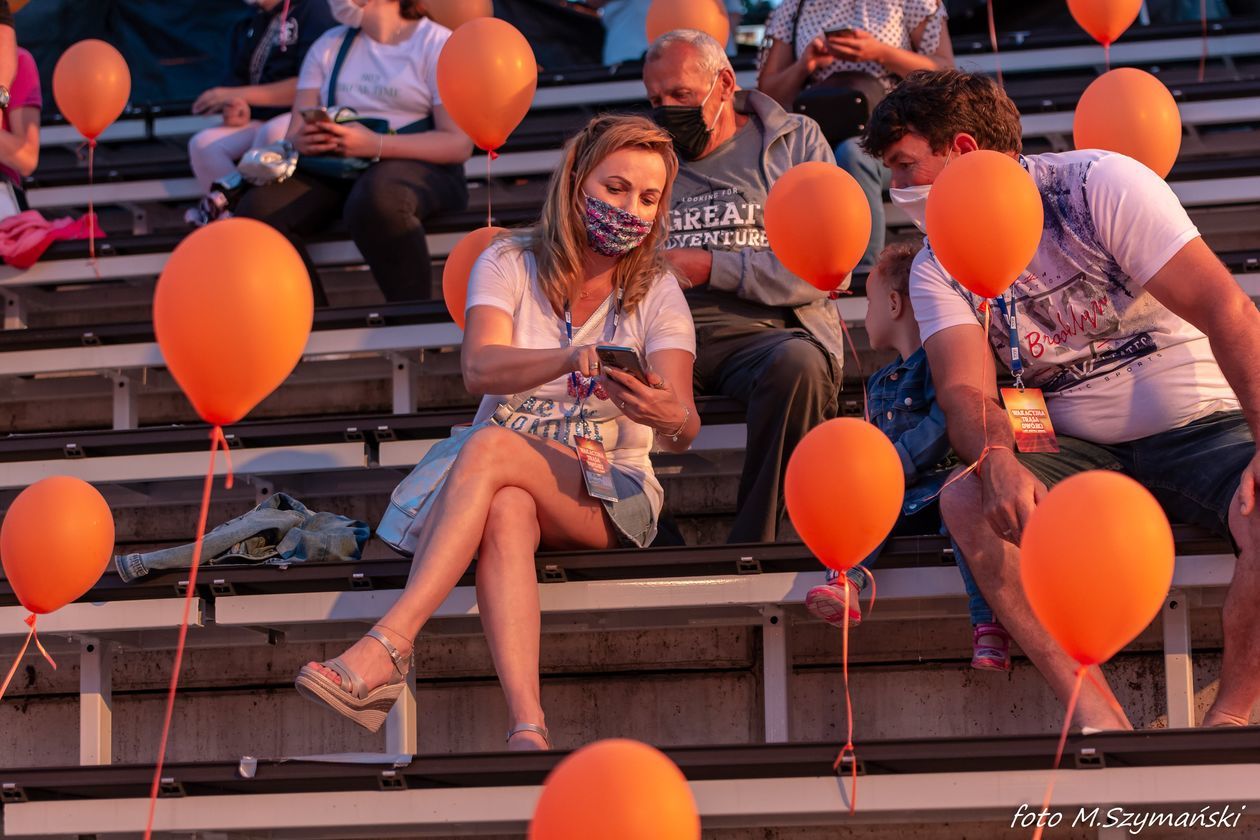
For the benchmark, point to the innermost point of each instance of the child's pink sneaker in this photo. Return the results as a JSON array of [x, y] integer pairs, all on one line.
[[827, 603], [992, 648]]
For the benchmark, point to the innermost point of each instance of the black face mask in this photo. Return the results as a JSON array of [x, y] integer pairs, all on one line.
[[685, 124]]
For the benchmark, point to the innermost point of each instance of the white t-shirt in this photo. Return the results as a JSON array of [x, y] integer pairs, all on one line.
[[506, 277], [1116, 365], [889, 21], [397, 82]]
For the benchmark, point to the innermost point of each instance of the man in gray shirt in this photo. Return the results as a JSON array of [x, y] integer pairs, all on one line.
[[765, 337]]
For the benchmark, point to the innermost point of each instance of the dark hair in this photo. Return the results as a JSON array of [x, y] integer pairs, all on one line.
[[938, 105], [411, 9], [894, 263]]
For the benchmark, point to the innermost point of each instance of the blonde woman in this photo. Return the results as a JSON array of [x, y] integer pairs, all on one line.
[[591, 272]]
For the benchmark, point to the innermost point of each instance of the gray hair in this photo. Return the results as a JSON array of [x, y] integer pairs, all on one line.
[[711, 55]]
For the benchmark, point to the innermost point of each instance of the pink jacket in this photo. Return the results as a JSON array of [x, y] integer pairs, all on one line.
[[25, 237]]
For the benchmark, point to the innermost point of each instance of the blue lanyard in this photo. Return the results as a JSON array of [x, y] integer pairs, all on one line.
[[1017, 363], [575, 381]]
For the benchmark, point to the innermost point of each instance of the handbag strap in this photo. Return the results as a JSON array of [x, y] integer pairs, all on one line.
[[331, 98]]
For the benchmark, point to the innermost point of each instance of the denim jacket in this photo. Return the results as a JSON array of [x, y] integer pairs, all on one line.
[[903, 404], [281, 530]]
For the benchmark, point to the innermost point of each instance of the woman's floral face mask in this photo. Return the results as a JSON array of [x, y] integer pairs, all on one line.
[[612, 231]]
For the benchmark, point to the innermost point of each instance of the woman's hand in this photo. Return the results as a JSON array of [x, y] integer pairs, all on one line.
[[213, 100], [584, 360], [353, 140], [236, 113], [860, 46], [655, 405], [817, 55], [313, 139]]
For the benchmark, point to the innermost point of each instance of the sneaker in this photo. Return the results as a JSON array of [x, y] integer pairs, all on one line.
[[827, 603], [991, 648]]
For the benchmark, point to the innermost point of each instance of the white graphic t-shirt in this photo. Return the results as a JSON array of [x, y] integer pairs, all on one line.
[[506, 277], [1115, 364], [889, 21], [396, 82]]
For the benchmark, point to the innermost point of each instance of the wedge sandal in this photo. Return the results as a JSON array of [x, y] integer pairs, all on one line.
[[352, 698]]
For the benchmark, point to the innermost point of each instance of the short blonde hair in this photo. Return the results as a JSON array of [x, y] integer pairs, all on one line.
[[558, 242]]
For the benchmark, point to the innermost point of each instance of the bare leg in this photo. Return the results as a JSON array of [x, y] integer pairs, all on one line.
[[507, 596], [494, 458], [1240, 666], [995, 564]]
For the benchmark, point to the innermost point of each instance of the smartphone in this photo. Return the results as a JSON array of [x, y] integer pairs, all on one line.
[[847, 32], [316, 115], [622, 358]]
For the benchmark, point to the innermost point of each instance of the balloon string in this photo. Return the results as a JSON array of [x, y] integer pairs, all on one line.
[[1203, 57], [96, 268], [848, 748], [1107, 55], [1058, 755], [489, 192], [30, 621], [1106, 695], [216, 435], [993, 41], [857, 360]]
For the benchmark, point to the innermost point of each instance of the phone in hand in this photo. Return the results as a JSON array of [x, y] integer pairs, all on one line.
[[316, 115], [622, 358], [847, 32]]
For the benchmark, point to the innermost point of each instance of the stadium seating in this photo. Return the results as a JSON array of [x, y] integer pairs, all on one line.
[[704, 649]]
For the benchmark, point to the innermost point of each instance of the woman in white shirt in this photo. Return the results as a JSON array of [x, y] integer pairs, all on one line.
[[591, 272], [385, 174], [822, 42]]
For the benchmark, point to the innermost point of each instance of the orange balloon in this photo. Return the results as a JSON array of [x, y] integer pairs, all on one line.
[[455, 13], [55, 542], [818, 222], [91, 84], [459, 266], [844, 487], [1096, 580], [232, 313], [984, 221], [705, 15], [1131, 112], [1105, 20], [486, 77], [616, 790]]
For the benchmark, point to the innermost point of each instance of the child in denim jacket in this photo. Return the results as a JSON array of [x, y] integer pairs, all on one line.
[[903, 404]]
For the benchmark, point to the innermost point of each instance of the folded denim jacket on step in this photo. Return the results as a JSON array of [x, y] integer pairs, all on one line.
[[281, 530]]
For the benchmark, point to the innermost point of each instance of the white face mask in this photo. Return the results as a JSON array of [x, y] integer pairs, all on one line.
[[913, 202], [347, 12]]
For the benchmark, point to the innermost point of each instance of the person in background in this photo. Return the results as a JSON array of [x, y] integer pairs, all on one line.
[[625, 26], [813, 40], [388, 73], [19, 131], [902, 402], [267, 49], [539, 303], [767, 338], [8, 53]]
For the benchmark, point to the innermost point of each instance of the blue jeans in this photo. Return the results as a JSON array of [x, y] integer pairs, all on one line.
[[873, 177], [1193, 471]]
